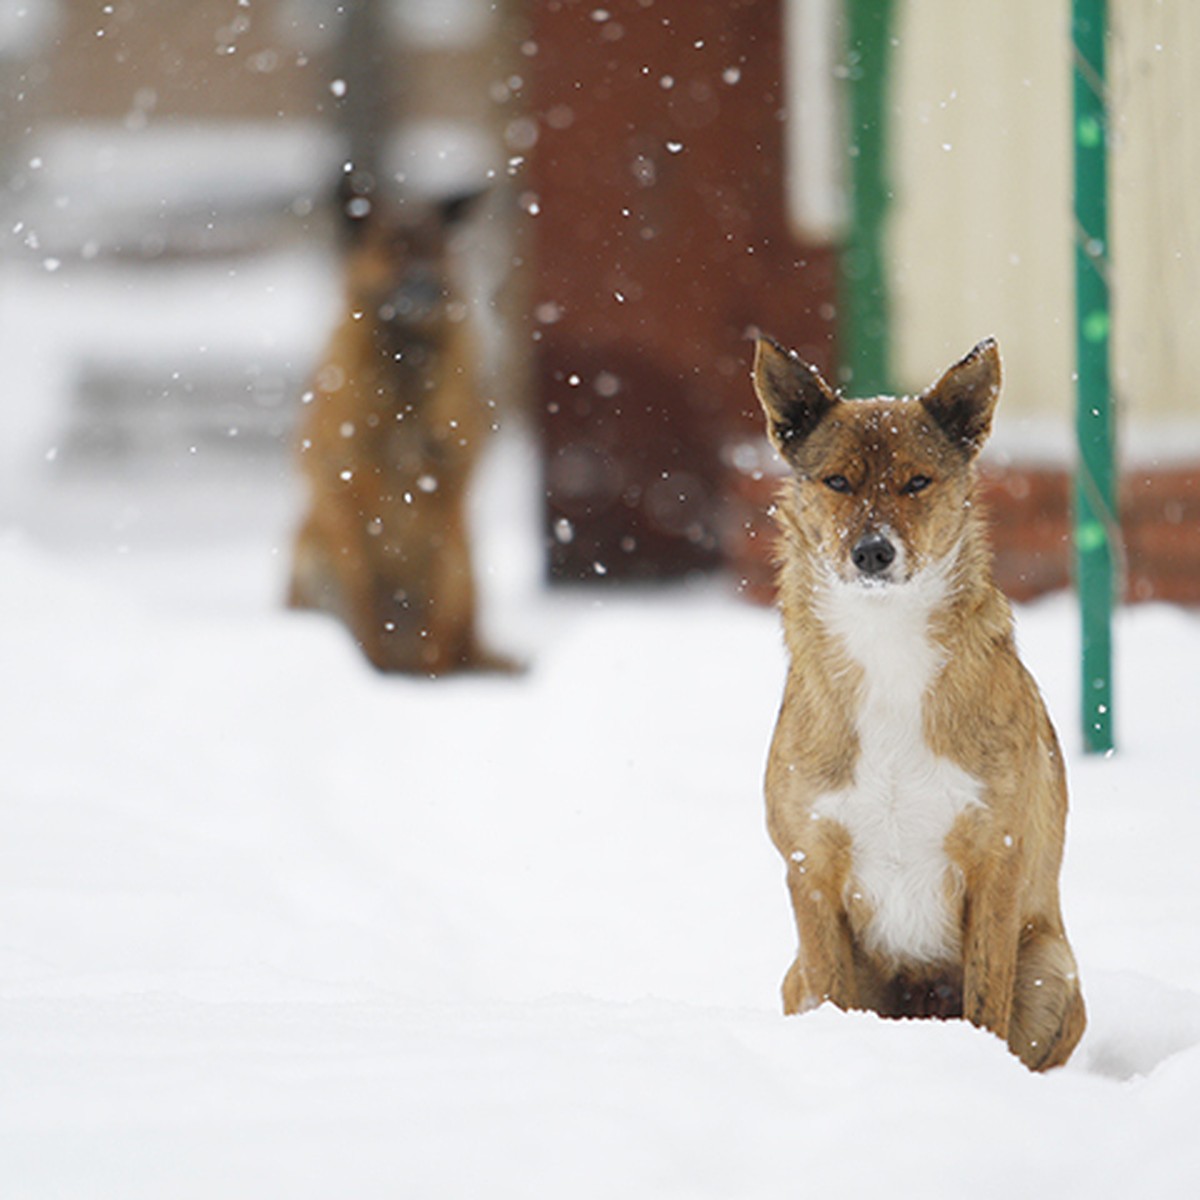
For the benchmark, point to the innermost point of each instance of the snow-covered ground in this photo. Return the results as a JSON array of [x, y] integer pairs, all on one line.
[[274, 926]]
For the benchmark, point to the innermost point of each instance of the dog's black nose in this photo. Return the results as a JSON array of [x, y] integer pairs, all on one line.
[[873, 554]]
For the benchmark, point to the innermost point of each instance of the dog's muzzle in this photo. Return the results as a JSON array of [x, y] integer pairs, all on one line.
[[417, 298], [873, 554]]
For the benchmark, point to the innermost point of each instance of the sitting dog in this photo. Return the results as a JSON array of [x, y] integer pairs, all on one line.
[[915, 785], [394, 429]]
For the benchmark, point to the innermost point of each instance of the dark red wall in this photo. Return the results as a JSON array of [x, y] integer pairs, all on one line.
[[660, 238]]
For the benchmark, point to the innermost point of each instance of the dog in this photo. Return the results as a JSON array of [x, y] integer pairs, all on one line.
[[915, 786], [394, 429]]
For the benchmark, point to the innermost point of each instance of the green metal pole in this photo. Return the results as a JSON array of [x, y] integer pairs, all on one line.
[[864, 300], [1096, 524]]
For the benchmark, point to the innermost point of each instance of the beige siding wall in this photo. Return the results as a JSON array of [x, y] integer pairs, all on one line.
[[982, 227], [1155, 80]]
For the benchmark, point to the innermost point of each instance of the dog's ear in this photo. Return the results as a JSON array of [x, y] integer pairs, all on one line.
[[454, 209], [963, 400], [793, 394]]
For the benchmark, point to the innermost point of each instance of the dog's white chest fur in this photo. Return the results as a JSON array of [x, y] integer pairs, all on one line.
[[904, 798]]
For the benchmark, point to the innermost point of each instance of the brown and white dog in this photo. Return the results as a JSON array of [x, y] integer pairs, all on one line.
[[395, 426], [915, 785]]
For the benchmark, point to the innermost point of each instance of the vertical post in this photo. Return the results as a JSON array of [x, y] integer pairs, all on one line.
[[1096, 527], [361, 109], [864, 296]]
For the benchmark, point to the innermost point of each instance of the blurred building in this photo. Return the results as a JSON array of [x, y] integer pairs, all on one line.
[[982, 241], [663, 239], [170, 196], [691, 170], [666, 177]]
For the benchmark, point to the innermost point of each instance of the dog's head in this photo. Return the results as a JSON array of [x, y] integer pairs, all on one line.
[[883, 487], [399, 271]]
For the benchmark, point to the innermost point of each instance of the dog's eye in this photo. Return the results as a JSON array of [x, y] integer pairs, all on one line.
[[918, 483], [837, 483]]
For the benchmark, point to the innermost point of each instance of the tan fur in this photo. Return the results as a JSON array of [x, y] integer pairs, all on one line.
[[388, 445], [1012, 970]]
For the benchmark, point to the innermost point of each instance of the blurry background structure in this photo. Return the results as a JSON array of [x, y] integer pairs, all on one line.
[[665, 177], [171, 175]]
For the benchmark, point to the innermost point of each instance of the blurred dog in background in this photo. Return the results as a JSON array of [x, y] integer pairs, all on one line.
[[394, 428]]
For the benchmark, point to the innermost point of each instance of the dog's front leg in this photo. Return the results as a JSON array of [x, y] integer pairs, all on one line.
[[990, 938], [824, 965]]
